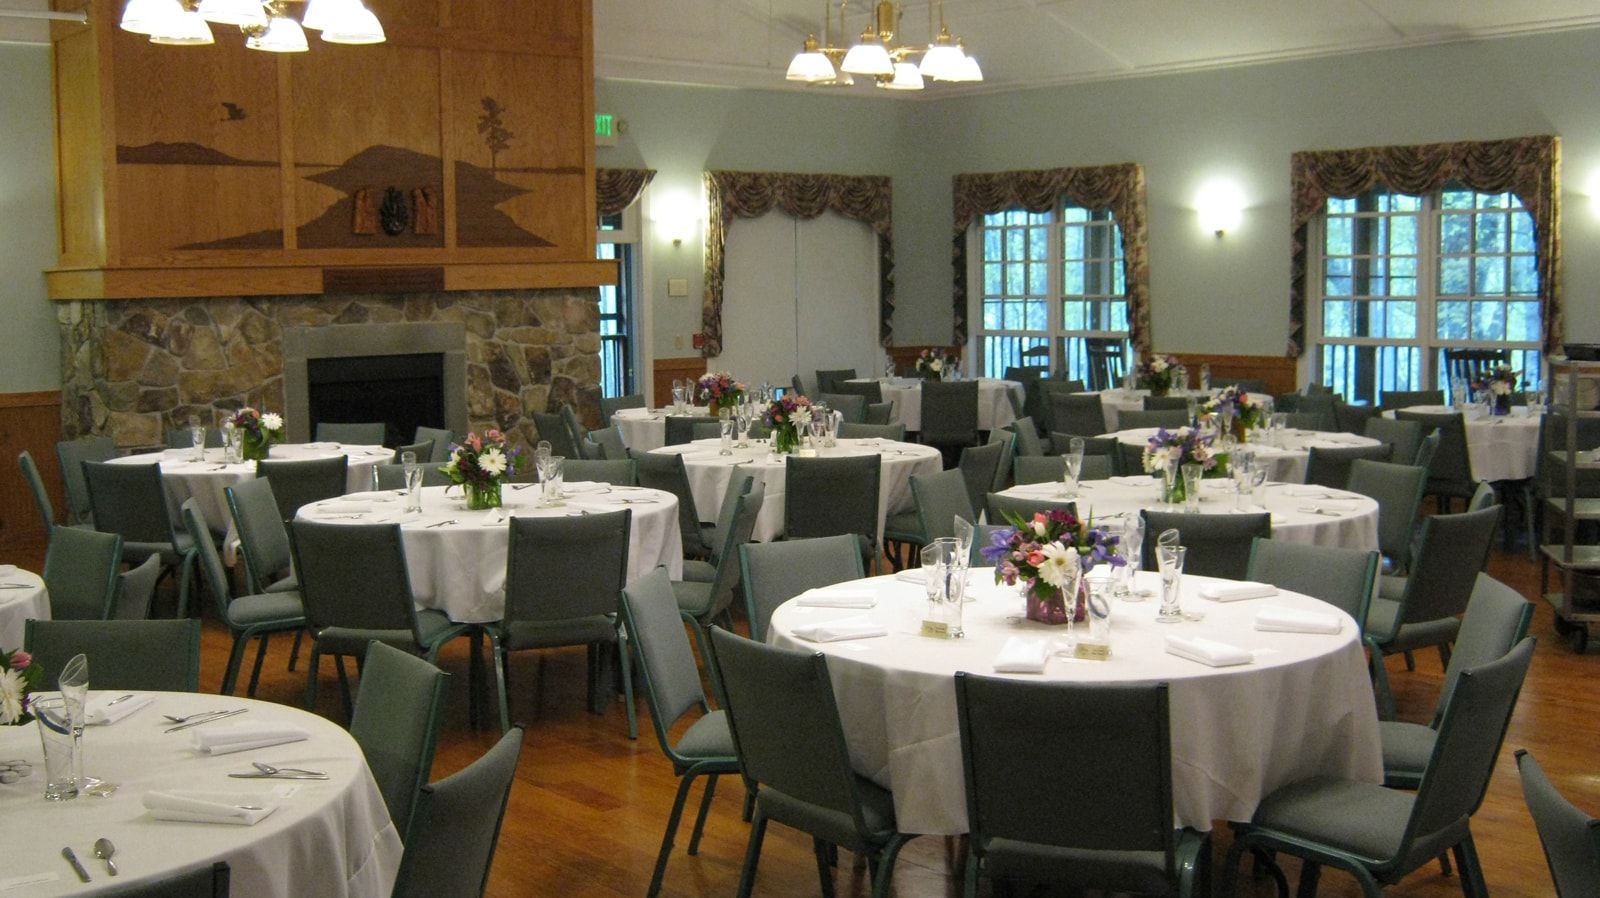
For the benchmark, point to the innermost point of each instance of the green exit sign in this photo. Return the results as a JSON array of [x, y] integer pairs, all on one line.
[[605, 130]]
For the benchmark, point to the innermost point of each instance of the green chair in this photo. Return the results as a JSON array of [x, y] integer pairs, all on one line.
[[352, 434], [1344, 578], [949, 413], [939, 499], [393, 477], [396, 721], [136, 587], [1450, 471], [828, 380], [608, 440], [1352, 418], [1403, 437], [1329, 466], [852, 405], [739, 483], [1118, 839], [1165, 403], [41, 497], [1398, 491], [1002, 471], [680, 428], [665, 471], [1171, 419], [703, 601], [1082, 416], [1571, 838], [1395, 400], [980, 465], [80, 573], [553, 429], [617, 472], [850, 430], [1219, 544], [263, 537], [143, 655], [303, 481], [881, 413], [774, 573], [205, 882], [1028, 442], [457, 826], [1039, 468], [705, 430], [441, 438], [1000, 509], [422, 451], [131, 501], [871, 390], [180, 438], [72, 454], [575, 428], [829, 496], [611, 405]]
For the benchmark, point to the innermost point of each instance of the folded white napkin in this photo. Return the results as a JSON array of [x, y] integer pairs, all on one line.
[[841, 629], [1207, 651], [1295, 620], [344, 508], [582, 486], [1234, 591], [322, 445], [1131, 480], [1022, 655], [839, 598], [191, 806], [244, 736], [104, 707]]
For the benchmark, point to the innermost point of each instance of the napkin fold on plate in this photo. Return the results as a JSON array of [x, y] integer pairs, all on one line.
[[224, 740], [1022, 655], [109, 707], [839, 630], [193, 806], [1234, 591], [1207, 651], [1276, 618], [836, 597]]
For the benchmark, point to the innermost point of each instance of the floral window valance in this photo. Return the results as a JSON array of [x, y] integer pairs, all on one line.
[[1529, 167], [616, 189], [1119, 188], [735, 194]]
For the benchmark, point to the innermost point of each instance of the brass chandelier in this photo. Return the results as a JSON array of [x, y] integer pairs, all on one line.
[[265, 24], [892, 66]]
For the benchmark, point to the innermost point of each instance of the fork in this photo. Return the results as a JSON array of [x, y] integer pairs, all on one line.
[[440, 524]]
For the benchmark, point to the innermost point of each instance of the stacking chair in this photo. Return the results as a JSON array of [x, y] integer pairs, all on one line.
[[1130, 459], [1171, 419], [1427, 448], [349, 605], [136, 587], [1497, 618], [672, 688], [1105, 446], [205, 882], [829, 496], [72, 454], [828, 381], [1379, 835], [881, 413], [155, 655], [248, 617], [681, 428], [1470, 364], [1244, 384], [396, 721], [1000, 509], [1395, 400], [609, 441], [1028, 442], [301, 482], [1344, 578], [980, 465], [850, 430], [617, 472], [131, 501], [949, 413], [704, 430], [1002, 470], [705, 571], [365, 434], [1397, 489], [1032, 396], [80, 573], [1167, 403], [1039, 469], [665, 471], [853, 406], [1450, 472], [1329, 466], [1403, 437], [1096, 467], [263, 536], [41, 497], [1118, 839], [393, 477], [790, 743], [1571, 838], [798, 386], [1079, 415], [422, 449], [180, 438], [939, 499], [441, 438], [1219, 544], [774, 573], [457, 826], [553, 429], [1319, 407], [1048, 391], [1105, 362], [1309, 421], [702, 602], [563, 575], [611, 405], [1352, 418], [575, 429]]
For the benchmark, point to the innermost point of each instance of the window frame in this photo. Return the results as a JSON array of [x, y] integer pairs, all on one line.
[[628, 237]]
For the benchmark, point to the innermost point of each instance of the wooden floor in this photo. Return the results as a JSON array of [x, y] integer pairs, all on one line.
[[588, 806]]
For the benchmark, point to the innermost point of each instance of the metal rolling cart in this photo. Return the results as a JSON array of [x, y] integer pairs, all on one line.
[[1577, 604]]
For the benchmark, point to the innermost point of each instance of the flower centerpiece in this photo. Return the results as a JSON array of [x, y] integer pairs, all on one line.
[[1178, 448], [256, 432], [1050, 554], [1241, 410], [1499, 382], [19, 676], [935, 363], [1155, 374], [787, 417], [480, 465], [718, 390]]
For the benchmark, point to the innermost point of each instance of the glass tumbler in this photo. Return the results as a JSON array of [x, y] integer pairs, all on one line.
[[1170, 560]]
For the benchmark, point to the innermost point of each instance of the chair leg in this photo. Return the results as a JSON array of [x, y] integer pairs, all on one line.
[[344, 686], [294, 651], [824, 872], [1472, 884], [311, 677], [749, 802], [255, 669], [1411, 662], [185, 579], [1380, 679], [235, 659], [497, 657], [1444, 864], [666, 838], [885, 865], [752, 854], [1444, 654], [624, 655], [1310, 873], [700, 818]]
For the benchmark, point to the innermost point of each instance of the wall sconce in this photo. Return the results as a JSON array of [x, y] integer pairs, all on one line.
[[677, 215], [1221, 205], [1592, 188]]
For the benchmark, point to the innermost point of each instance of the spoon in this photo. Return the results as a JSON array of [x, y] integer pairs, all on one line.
[[270, 770], [103, 849], [188, 717]]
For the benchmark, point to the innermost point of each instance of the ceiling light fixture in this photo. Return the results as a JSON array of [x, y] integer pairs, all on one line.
[[891, 65], [266, 24]]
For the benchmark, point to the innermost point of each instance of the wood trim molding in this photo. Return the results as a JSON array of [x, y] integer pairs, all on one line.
[[1277, 372], [668, 370], [42, 398], [154, 283]]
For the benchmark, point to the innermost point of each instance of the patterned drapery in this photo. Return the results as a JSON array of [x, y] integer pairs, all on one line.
[[1119, 188], [616, 189], [1529, 167], [737, 194]]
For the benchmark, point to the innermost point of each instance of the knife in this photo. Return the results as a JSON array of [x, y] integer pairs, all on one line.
[[76, 867], [278, 776], [185, 726]]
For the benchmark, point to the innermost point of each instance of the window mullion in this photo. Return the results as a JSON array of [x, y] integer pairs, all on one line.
[[1054, 285], [1428, 256]]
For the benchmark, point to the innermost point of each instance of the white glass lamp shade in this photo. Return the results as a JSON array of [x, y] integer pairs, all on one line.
[[868, 58], [811, 67], [186, 29], [244, 13], [968, 71], [147, 16], [906, 77], [283, 35], [942, 62], [323, 14], [360, 27]]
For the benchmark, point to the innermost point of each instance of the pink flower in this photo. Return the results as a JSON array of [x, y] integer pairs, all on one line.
[[20, 660]]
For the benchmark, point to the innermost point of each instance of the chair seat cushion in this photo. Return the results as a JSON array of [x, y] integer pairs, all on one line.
[[270, 607], [697, 571], [1406, 747], [708, 737], [877, 811], [290, 583], [1382, 616], [527, 634], [1140, 872], [432, 626], [905, 526], [693, 597], [171, 554], [1361, 818], [1392, 587]]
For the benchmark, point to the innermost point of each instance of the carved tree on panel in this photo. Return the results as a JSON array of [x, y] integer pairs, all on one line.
[[492, 125]]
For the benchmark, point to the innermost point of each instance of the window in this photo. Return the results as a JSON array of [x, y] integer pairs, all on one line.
[[1050, 282], [618, 239], [1405, 278]]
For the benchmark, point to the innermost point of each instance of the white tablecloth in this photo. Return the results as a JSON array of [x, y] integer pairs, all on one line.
[[994, 408], [1115, 401], [1502, 447], [460, 568], [1286, 463], [645, 429], [1303, 707], [19, 605], [709, 473], [330, 838], [1300, 513]]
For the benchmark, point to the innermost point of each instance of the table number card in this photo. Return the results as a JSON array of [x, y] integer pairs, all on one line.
[[1092, 651], [937, 629]]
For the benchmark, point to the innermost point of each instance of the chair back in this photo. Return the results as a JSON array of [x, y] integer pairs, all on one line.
[[1427, 448], [797, 385], [587, 555], [575, 428], [853, 406], [1344, 578], [1110, 726], [1311, 421], [142, 655], [263, 538], [1077, 414], [1167, 403], [181, 438], [1471, 364], [1398, 489], [136, 587], [72, 454], [1028, 443], [950, 412], [940, 499], [1096, 467], [1329, 466], [665, 471], [1130, 459], [850, 430], [1404, 437], [355, 434], [1497, 618], [1219, 544], [739, 531], [1039, 469], [1002, 470], [609, 441], [1242, 384], [458, 825], [1570, 837], [1105, 363], [980, 465], [880, 413], [1352, 418], [666, 662], [374, 594], [1450, 465], [1453, 550], [1394, 400], [739, 482], [130, 501], [301, 482], [680, 428], [1048, 391], [1033, 401], [211, 567], [870, 391], [41, 497], [80, 573], [1171, 419], [828, 380], [393, 477], [617, 472], [422, 449], [829, 496], [705, 430], [611, 405], [399, 709], [1000, 509], [553, 429], [441, 439], [775, 572]]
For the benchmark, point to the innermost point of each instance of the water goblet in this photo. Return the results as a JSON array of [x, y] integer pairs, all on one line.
[[74, 686], [1205, 378], [725, 424], [1170, 560], [1130, 546], [1191, 487], [197, 440], [1240, 464], [741, 422]]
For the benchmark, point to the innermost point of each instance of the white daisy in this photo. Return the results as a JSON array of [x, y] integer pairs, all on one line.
[[10, 696], [492, 461], [272, 421], [1059, 564]]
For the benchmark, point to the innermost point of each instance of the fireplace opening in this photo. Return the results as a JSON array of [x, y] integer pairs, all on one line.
[[402, 391]]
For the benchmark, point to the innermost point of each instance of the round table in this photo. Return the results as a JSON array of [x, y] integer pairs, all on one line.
[[457, 558], [1303, 707], [1115, 401], [1285, 463], [709, 472], [22, 598], [331, 837], [994, 406], [644, 429], [1499, 447], [1300, 513]]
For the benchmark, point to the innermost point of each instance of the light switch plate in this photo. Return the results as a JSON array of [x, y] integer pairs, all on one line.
[[677, 286]]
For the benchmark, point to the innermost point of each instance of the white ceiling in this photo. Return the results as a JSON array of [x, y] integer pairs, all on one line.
[[748, 43]]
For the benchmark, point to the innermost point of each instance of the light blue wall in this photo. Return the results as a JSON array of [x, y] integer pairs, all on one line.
[[29, 345]]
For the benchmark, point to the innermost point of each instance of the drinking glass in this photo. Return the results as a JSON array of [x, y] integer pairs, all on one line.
[[1535, 402], [1170, 560], [1074, 467], [945, 578], [1258, 476], [1169, 475], [550, 483], [816, 426], [741, 421], [232, 451], [1458, 392], [1099, 611], [197, 440], [1191, 408], [964, 532], [1191, 486], [725, 422], [372, 482], [1130, 545], [1241, 462], [56, 733], [1278, 424], [413, 473], [74, 685], [1180, 379], [1205, 378]]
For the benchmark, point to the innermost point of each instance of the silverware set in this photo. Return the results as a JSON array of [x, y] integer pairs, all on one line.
[[194, 720], [267, 771]]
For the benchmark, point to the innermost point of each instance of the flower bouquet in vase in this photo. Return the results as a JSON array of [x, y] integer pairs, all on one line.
[[787, 417], [1240, 411], [1156, 374], [19, 676], [1050, 555], [1499, 383], [936, 364], [718, 390], [480, 466], [1169, 450], [256, 432]]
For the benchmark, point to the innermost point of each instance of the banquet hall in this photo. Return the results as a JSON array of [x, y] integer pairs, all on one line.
[[604, 298]]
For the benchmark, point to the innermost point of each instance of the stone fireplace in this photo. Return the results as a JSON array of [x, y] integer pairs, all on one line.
[[132, 369]]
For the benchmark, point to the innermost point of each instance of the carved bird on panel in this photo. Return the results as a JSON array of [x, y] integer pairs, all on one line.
[[233, 112]]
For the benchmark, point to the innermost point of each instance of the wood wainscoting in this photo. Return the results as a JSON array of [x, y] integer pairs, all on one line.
[[32, 422], [668, 370], [1278, 373]]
